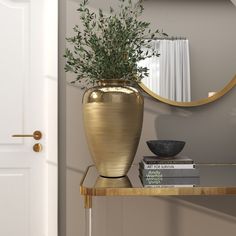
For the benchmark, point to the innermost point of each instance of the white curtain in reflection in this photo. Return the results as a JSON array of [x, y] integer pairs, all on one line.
[[175, 70], [152, 81]]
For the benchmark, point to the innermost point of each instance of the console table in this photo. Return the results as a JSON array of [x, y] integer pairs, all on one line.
[[215, 179]]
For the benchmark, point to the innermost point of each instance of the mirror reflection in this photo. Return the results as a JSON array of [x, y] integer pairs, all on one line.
[[122, 182], [199, 65], [169, 74]]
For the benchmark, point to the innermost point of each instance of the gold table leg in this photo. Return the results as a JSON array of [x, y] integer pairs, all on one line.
[[88, 215], [87, 201]]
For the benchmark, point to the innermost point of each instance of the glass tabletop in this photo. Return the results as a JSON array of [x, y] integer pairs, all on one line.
[[213, 179]]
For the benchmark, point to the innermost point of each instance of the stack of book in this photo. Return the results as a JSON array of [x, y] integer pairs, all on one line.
[[171, 172]]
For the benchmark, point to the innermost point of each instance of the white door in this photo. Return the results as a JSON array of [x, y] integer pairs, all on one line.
[[28, 102]]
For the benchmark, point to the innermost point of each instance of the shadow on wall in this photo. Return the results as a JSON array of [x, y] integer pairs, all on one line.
[[178, 216], [221, 208], [216, 204]]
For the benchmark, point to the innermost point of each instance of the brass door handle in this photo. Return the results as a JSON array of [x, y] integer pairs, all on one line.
[[37, 135]]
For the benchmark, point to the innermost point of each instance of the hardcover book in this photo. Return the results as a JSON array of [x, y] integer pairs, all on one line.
[[143, 165], [170, 160], [170, 181], [169, 172]]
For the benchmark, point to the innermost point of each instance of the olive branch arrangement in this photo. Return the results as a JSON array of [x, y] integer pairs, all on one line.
[[110, 46]]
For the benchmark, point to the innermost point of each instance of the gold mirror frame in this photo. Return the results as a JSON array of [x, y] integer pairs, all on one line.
[[195, 103]]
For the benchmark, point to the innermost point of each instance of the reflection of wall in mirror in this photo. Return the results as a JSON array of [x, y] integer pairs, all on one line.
[[211, 34]]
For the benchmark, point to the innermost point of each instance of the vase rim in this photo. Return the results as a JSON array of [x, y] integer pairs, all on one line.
[[104, 82]]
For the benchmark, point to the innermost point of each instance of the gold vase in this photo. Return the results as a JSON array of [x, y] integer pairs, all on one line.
[[113, 117]]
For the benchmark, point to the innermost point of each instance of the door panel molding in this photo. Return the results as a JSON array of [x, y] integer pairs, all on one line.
[[13, 3], [14, 69], [14, 182]]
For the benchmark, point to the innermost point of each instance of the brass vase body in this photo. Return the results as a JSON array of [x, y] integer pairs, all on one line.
[[113, 117]]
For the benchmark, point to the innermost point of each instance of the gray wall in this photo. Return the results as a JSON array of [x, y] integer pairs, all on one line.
[[62, 121], [210, 132]]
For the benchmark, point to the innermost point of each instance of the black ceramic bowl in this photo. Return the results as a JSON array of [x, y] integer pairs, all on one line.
[[165, 148]]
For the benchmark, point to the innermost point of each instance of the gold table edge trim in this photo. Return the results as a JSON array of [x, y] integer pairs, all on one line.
[[177, 191]]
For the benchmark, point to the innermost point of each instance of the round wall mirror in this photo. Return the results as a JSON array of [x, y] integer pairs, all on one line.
[[197, 64]]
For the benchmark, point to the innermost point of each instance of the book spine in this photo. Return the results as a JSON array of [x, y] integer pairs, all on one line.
[[167, 162], [169, 173], [170, 181], [167, 166], [170, 186], [153, 160]]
